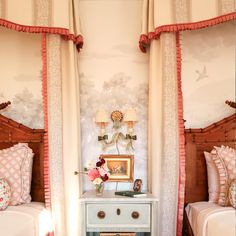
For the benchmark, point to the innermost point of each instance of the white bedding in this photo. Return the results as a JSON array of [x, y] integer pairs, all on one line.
[[30, 219], [210, 219]]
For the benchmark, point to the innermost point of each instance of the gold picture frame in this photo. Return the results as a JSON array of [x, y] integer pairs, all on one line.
[[121, 167]]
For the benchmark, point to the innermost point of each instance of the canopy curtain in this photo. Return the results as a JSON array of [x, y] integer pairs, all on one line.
[[172, 16], [59, 26], [161, 23], [43, 16], [61, 76]]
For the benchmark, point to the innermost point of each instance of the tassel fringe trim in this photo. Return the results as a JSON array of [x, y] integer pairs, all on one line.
[[145, 40]]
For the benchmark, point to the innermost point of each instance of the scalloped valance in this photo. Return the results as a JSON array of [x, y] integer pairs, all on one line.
[[43, 16], [172, 16]]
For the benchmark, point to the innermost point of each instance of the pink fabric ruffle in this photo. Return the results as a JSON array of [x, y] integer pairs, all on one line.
[[145, 40], [182, 177], [78, 40]]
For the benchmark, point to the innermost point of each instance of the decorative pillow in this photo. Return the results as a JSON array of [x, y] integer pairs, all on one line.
[[212, 178], [225, 159], [232, 193], [5, 194], [16, 167]]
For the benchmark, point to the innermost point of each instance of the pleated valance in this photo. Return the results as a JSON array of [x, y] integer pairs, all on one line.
[[176, 15], [43, 16]]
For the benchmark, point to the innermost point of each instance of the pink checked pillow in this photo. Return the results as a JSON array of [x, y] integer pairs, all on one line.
[[225, 160], [16, 167], [5, 194], [212, 178]]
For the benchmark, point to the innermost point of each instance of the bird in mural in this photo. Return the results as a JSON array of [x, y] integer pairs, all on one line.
[[202, 74]]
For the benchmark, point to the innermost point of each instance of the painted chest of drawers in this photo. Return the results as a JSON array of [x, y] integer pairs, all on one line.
[[118, 214]]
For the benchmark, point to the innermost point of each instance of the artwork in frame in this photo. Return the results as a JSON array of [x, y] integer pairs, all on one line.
[[121, 167]]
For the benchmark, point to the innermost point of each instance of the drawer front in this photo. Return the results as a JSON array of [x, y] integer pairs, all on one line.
[[120, 216]]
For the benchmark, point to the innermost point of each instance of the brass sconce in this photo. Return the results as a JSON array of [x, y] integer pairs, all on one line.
[[129, 117]]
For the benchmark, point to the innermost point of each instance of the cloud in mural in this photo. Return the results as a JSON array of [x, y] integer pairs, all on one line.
[[27, 77], [97, 55], [206, 48], [26, 109], [133, 51], [141, 60], [126, 48]]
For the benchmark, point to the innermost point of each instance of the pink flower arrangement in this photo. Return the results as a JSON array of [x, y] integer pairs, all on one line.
[[100, 173]]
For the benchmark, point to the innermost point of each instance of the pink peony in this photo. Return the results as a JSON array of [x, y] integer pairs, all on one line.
[[93, 174]]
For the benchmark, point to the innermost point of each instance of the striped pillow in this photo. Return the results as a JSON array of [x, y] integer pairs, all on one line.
[[213, 178], [225, 160]]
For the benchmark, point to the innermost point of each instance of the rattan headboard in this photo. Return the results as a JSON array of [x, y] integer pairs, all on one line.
[[11, 133], [197, 141]]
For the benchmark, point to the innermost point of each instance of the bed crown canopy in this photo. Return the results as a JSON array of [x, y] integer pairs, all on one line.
[[43, 16], [172, 16]]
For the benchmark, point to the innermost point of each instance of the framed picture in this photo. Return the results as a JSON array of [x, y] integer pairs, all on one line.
[[121, 167]]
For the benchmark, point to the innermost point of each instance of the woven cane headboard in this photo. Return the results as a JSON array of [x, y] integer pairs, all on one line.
[[197, 141], [11, 133]]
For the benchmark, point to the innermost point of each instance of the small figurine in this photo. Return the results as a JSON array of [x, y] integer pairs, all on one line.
[[137, 187]]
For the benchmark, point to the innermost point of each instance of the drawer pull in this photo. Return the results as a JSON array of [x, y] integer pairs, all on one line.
[[135, 215], [101, 214], [118, 211]]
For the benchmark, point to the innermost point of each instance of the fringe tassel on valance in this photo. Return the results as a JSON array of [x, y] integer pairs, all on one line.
[[145, 40]]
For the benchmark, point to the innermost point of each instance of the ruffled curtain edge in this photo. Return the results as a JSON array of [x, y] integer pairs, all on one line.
[[145, 39], [65, 33]]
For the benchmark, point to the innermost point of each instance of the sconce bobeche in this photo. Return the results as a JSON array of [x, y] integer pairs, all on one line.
[[129, 117]]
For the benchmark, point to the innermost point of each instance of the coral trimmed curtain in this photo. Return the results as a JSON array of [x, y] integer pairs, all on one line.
[[43, 16], [58, 22], [62, 79], [172, 16], [161, 25]]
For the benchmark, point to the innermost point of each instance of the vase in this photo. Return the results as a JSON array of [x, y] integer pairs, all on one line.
[[99, 189]]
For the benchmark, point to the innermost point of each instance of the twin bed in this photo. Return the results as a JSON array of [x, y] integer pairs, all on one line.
[[203, 218], [29, 219]]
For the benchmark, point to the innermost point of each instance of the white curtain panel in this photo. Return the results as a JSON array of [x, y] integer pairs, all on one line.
[[163, 131], [47, 13], [161, 19], [64, 134], [159, 13]]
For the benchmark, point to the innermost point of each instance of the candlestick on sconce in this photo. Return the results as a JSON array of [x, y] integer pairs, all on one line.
[[130, 118], [102, 121]]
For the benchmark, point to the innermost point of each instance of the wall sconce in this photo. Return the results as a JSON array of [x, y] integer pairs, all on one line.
[[102, 120], [130, 117]]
